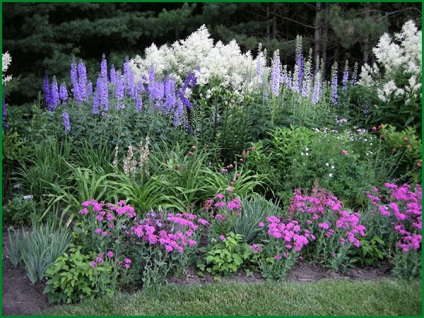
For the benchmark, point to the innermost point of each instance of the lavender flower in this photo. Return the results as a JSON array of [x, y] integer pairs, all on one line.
[[259, 68], [103, 67], [104, 94], [66, 122], [82, 74], [299, 62], [74, 74], [183, 99], [334, 97], [63, 93], [276, 73], [54, 94]]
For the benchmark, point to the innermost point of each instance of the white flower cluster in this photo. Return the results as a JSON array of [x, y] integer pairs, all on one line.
[[402, 58], [218, 64], [6, 59]]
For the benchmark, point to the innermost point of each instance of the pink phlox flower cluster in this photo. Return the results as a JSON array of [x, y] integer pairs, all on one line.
[[220, 196], [255, 248], [234, 204], [220, 217], [203, 222], [220, 204], [180, 220], [409, 242], [289, 232]]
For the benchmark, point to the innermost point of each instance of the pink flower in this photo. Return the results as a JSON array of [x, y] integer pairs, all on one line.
[[324, 226], [83, 211], [127, 261], [110, 254], [344, 152], [98, 230], [219, 204], [277, 257], [261, 224], [127, 266], [93, 264], [203, 222], [99, 260], [222, 237], [273, 219], [220, 196], [220, 217]]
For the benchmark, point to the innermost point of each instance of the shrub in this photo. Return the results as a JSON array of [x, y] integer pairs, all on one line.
[[19, 210]]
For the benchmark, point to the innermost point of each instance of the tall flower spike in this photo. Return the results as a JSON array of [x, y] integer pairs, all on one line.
[[276, 74], [55, 93], [47, 92], [334, 79], [4, 120], [63, 93], [66, 122], [103, 67], [345, 77]]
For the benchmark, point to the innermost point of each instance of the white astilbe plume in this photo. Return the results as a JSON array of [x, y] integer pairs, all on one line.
[[401, 56], [6, 59], [220, 64]]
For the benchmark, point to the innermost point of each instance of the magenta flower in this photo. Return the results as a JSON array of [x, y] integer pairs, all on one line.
[[222, 237], [220, 196], [93, 264], [278, 256], [110, 254]]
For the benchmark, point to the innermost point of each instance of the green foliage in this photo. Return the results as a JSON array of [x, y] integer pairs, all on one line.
[[226, 256], [370, 253], [72, 279], [408, 265], [18, 211], [38, 249], [254, 210]]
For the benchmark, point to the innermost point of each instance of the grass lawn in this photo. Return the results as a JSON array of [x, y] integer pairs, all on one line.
[[321, 298]]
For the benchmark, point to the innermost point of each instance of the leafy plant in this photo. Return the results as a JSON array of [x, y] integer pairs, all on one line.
[[18, 211], [72, 278], [370, 253], [38, 249], [226, 256]]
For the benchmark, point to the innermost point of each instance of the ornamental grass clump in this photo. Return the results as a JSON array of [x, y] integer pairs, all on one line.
[[333, 230]]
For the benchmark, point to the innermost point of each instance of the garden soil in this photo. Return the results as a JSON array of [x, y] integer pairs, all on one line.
[[20, 297]]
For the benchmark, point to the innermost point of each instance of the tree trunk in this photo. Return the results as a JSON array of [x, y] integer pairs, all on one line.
[[366, 37], [325, 38]]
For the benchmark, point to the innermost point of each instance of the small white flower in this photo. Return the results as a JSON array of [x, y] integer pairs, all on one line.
[[330, 175], [327, 164], [332, 167]]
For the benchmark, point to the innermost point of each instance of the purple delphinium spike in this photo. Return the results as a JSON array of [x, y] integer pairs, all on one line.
[[74, 79], [96, 103], [63, 93], [345, 77], [104, 94], [66, 121], [54, 94], [103, 67], [4, 119], [138, 103], [334, 97], [47, 93], [299, 62], [89, 89], [170, 98], [82, 80], [119, 90], [152, 74], [276, 74], [112, 74]]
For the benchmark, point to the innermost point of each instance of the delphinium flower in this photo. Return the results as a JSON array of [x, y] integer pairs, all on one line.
[[316, 95], [170, 97], [334, 79], [307, 77], [96, 102], [103, 67], [276, 74], [47, 93], [119, 90], [345, 77], [66, 121], [82, 80], [104, 94], [74, 80], [260, 66], [54, 94], [4, 121], [299, 62], [112, 74], [63, 93], [89, 88]]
